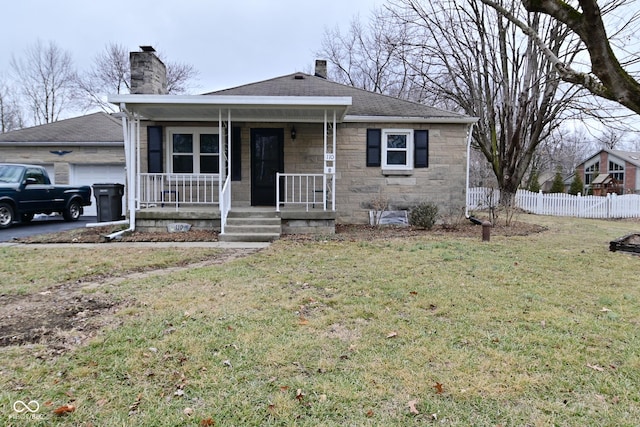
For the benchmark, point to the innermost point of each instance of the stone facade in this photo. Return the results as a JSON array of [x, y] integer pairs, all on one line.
[[443, 182], [148, 73]]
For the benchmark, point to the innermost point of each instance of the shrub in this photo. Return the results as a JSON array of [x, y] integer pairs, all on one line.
[[423, 215], [558, 184], [576, 185], [534, 185]]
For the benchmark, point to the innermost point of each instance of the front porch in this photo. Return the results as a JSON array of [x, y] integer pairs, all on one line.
[[188, 170], [291, 219]]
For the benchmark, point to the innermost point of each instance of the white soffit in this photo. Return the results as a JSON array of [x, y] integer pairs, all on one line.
[[243, 108]]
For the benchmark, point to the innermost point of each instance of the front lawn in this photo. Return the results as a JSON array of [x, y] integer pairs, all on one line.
[[433, 329]]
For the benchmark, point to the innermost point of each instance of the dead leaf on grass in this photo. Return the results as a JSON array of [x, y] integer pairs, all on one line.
[[392, 334], [605, 309], [412, 407], [134, 408], [207, 422], [595, 367], [64, 409], [299, 395], [439, 388], [303, 321]]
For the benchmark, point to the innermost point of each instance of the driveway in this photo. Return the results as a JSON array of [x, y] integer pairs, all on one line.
[[43, 224]]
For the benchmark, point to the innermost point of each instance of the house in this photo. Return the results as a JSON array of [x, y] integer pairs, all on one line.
[[298, 148], [83, 150], [620, 167]]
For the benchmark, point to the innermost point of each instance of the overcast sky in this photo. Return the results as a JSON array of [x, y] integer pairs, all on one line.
[[230, 42]]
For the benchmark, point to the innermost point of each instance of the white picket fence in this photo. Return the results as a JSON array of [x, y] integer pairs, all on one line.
[[561, 204]]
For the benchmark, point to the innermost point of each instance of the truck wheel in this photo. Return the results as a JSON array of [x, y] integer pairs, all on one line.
[[72, 212], [6, 215]]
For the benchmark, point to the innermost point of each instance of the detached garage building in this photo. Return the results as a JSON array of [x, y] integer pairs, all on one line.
[[83, 150]]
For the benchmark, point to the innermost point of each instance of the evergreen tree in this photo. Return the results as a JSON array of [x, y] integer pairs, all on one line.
[[577, 186], [558, 184], [534, 182]]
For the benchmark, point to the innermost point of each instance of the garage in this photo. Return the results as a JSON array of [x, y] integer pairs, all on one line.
[[88, 174]]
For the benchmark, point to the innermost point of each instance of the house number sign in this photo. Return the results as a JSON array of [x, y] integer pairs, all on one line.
[[329, 157]]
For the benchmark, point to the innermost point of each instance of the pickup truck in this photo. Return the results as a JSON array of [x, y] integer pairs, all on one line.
[[26, 190]]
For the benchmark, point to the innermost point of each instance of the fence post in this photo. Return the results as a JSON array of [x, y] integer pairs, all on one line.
[[539, 203]]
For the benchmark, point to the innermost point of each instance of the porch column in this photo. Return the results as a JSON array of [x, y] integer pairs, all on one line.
[[131, 133], [220, 158], [330, 158]]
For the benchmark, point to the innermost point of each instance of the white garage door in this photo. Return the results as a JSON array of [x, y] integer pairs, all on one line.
[[97, 174], [51, 172]]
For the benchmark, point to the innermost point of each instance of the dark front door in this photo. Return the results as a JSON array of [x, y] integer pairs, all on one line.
[[267, 158]]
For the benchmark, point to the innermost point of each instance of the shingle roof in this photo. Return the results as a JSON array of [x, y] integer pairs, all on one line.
[[364, 103], [96, 127], [632, 157]]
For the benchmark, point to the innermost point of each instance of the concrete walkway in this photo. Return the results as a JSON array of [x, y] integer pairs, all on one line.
[[151, 245]]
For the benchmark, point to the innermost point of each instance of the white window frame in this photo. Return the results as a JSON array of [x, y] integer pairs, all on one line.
[[589, 175], [613, 171], [196, 132], [409, 149]]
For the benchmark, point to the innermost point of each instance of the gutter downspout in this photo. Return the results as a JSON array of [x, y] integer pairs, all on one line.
[[466, 205], [127, 122]]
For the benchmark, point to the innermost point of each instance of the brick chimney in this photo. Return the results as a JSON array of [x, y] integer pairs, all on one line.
[[148, 72], [321, 68]]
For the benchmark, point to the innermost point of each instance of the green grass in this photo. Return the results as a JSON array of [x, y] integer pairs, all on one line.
[[514, 331], [28, 269]]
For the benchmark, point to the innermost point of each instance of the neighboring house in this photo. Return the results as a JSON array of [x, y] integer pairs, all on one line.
[[612, 171], [315, 152], [80, 151]]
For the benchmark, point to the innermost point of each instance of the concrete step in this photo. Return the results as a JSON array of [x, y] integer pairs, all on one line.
[[248, 237], [253, 221], [251, 228], [252, 225], [253, 213]]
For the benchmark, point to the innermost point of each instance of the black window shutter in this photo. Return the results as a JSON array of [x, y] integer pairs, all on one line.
[[154, 149], [374, 147], [236, 155], [421, 148]]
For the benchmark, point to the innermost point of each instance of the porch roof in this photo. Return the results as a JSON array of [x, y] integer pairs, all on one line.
[[243, 108]]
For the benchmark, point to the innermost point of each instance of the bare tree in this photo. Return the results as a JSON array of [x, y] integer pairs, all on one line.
[[481, 64], [181, 77], [47, 77], [10, 113], [111, 74], [608, 77], [373, 57]]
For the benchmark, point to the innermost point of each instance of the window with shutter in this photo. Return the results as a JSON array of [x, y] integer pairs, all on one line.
[[374, 137], [154, 149], [421, 152]]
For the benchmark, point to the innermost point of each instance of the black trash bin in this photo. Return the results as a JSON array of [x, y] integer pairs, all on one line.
[[109, 201]]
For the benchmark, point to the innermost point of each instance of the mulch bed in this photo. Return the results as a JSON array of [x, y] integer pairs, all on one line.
[[344, 232]]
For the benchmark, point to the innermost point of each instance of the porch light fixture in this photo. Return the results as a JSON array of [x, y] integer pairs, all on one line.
[[293, 133]]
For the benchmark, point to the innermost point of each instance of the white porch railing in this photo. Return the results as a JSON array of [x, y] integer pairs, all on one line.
[[561, 204], [175, 189], [308, 190], [225, 203]]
